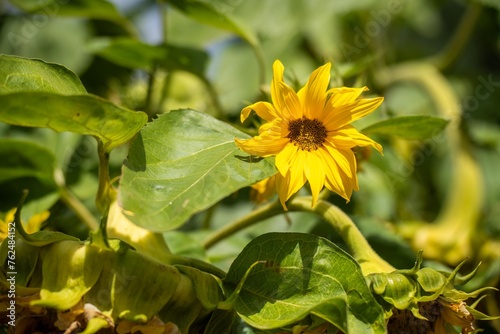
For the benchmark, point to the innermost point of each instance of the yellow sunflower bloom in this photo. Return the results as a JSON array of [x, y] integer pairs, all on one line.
[[310, 134]]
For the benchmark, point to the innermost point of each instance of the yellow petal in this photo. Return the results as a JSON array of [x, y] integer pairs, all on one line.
[[315, 173], [333, 181], [313, 94], [264, 189], [268, 143], [289, 184], [276, 95], [348, 137], [265, 110], [285, 158], [292, 108], [351, 112], [344, 95], [35, 223], [336, 179], [344, 158]]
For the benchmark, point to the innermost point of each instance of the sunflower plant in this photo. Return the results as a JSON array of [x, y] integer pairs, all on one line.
[[193, 186]]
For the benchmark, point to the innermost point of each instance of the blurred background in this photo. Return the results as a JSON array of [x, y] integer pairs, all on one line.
[[440, 58]]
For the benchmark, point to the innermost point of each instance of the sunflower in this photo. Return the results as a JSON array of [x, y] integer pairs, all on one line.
[[310, 134]]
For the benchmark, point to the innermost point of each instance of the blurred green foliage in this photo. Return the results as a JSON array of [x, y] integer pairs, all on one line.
[[215, 57]]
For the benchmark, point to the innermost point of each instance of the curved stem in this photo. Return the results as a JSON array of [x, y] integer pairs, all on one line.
[[78, 208], [68, 198], [459, 39], [362, 252], [359, 247], [254, 217]]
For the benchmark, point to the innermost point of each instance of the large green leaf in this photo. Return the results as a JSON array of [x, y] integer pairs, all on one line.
[[295, 275], [408, 127], [182, 163], [83, 114], [34, 75]]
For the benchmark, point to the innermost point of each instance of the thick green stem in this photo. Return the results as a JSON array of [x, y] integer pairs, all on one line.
[[103, 198], [254, 217], [74, 203], [359, 248], [78, 208]]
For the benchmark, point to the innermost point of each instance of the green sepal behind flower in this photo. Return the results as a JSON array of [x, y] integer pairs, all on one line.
[[418, 289]]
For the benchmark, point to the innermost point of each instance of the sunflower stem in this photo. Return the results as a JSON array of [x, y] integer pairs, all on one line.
[[103, 197], [254, 217], [362, 252], [359, 247]]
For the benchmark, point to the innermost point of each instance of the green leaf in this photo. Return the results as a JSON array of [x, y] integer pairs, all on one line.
[[302, 275], [182, 163], [33, 75], [205, 286], [96, 9], [26, 258], [19, 158], [408, 127], [206, 13], [132, 53], [144, 288], [69, 270], [83, 114]]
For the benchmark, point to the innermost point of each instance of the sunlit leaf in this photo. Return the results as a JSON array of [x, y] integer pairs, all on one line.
[[83, 114], [69, 270], [182, 163], [143, 240], [34, 75], [408, 127], [302, 275]]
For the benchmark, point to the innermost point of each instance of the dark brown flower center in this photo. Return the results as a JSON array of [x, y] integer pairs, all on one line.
[[307, 134]]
